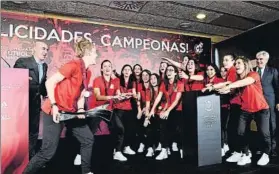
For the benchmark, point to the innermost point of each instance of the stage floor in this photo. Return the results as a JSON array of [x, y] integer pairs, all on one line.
[[139, 164]]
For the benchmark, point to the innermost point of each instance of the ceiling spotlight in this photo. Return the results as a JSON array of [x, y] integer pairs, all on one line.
[[19, 2], [201, 16], [185, 24]]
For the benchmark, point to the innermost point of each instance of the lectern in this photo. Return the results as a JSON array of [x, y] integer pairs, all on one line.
[[14, 120], [202, 128]]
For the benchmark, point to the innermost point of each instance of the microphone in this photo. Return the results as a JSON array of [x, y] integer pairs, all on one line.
[[6, 62]]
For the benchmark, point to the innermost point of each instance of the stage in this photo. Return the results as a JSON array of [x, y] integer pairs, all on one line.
[[139, 164]]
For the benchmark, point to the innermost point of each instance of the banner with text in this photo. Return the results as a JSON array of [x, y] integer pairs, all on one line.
[[121, 45]]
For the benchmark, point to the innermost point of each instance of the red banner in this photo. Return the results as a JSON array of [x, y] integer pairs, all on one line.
[[14, 120], [120, 44]]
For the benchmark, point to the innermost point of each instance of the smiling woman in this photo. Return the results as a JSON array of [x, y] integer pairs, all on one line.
[[253, 106]]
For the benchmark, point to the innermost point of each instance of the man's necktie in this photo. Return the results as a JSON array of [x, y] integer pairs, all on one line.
[[260, 72], [41, 71]]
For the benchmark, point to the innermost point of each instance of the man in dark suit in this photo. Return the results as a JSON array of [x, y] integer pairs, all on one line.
[[270, 84], [37, 78]]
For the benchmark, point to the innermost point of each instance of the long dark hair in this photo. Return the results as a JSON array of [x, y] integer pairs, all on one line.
[[216, 69], [176, 78], [103, 64], [122, 80], [149, 73], [133, 72], [158, 77], [197, 66], [160, 73]]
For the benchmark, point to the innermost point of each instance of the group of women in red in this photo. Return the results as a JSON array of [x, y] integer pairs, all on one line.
[[149, 105]]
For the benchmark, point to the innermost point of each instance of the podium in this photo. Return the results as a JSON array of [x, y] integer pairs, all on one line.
[[202, 128], [14, 120]]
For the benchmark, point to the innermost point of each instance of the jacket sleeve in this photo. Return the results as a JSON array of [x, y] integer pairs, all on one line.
[[275, 84], [43, 87], [20, 63]]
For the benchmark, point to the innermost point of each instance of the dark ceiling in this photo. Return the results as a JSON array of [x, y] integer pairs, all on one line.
[[224, 19]]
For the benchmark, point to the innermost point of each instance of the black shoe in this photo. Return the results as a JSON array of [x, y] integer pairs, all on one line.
[[273, 154]]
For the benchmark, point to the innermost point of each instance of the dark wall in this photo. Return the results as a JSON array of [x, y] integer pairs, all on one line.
[[265, 37]]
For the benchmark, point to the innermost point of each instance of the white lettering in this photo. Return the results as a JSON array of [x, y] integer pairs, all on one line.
[[146, 43], [116, 41], [105, 38], [128, 42], [53, 35], [40, 37], [63, 38], [17, 31]]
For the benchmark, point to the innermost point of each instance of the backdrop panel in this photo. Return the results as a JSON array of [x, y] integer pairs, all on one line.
[[120, 44], [14, 120]]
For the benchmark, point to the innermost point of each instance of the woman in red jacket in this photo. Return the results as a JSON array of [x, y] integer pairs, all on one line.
[[234, 100], [192, 77], [253, 106], [144, 93], [152, 124], [170, 116], [66, 90], [124, 118], [162, 70], [137, 74], [213, 77]]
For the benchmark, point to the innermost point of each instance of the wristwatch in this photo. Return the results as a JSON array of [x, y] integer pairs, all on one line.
[[53, 104]]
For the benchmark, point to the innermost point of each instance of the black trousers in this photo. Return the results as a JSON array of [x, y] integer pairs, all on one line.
[[152, 132], [34, 123], [171, 129], [51, 136], [232, 127], [141, 131], [224, 125], [272, 125], [123, 128], [262, 120]]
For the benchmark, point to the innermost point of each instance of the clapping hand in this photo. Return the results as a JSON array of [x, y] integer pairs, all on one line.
[[183, 75], [224, 90]]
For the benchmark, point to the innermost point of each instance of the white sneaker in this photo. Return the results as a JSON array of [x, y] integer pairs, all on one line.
[[234, 158], [141, 148], [245, 159], [174, 147], [169, 152], [181, 153], [223, 152], [159, 148], [90, 173], [150, 152], [264, 160], [163, 154], [119, 156], [129, 151], [77, 160], [226, 148]]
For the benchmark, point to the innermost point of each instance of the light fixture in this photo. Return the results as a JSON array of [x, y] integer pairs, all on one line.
[[185, 24], [201, 16], [19, 2]]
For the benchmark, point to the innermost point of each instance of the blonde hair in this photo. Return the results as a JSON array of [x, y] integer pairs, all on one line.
[[247, 64], [82, 46]]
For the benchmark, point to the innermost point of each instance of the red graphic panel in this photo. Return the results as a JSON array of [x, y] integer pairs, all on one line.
[[118, 44], [14, 120]]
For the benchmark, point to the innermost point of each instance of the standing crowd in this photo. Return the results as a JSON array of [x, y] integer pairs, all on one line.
[[147, 106]]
